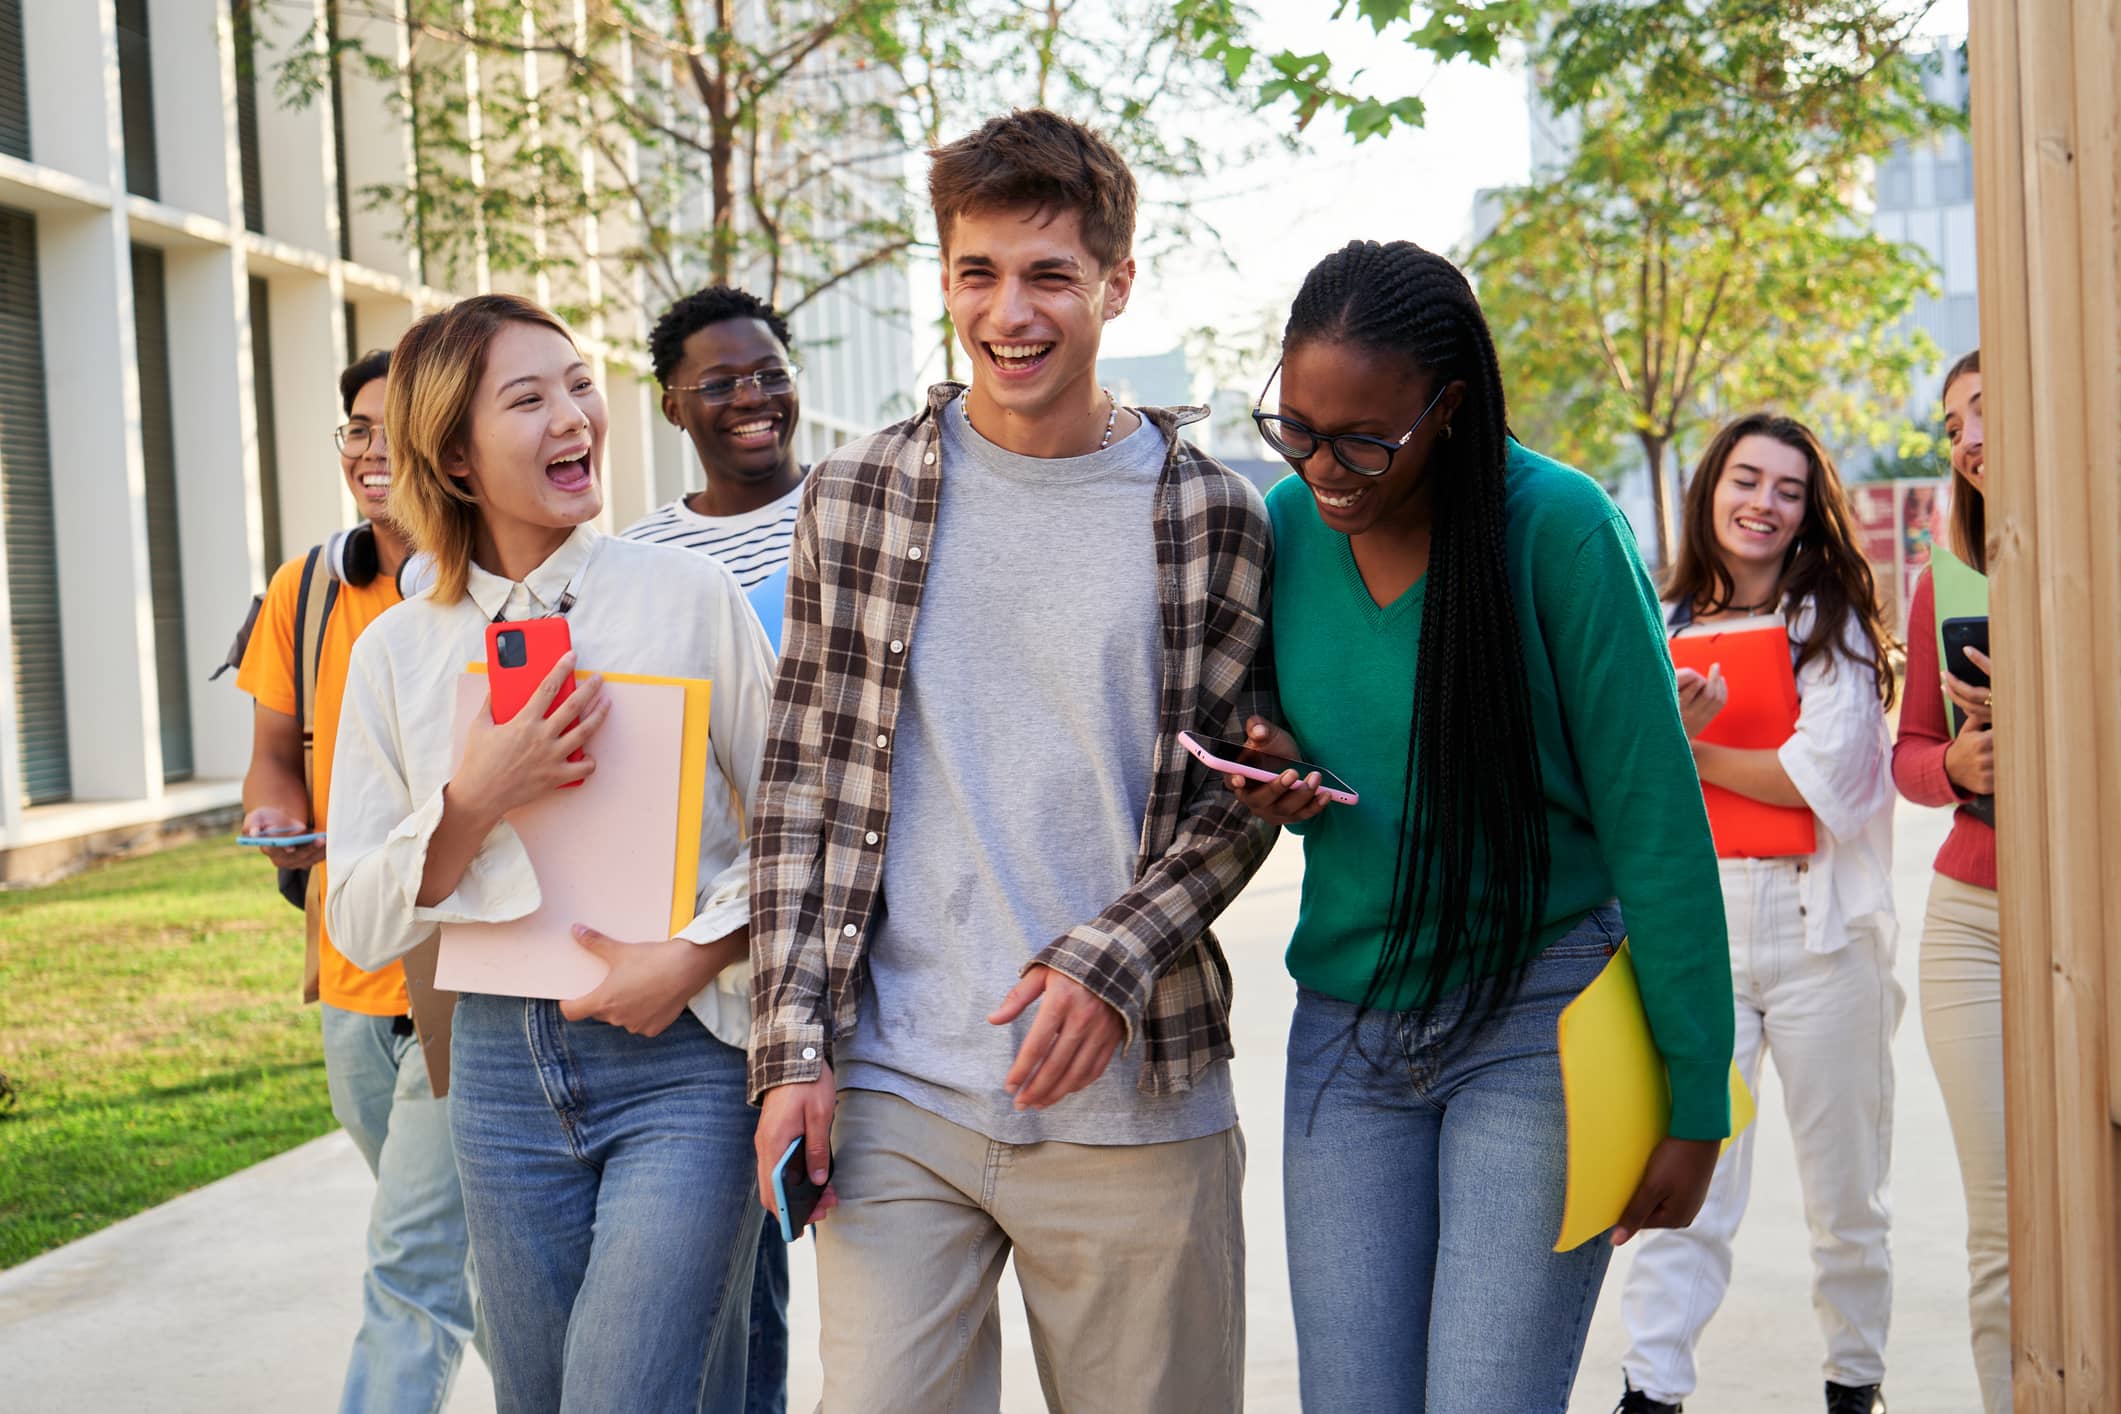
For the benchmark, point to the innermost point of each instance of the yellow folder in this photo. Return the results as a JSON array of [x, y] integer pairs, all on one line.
[[1619, 1100], [692, 785]]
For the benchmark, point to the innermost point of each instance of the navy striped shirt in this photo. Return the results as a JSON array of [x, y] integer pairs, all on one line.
[[752, 546]]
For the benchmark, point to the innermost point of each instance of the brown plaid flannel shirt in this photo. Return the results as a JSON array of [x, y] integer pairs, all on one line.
[[858, 564]]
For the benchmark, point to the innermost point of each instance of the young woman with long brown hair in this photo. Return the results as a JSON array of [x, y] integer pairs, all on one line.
[[1938, 764], [604, 1142], [1768, 539]]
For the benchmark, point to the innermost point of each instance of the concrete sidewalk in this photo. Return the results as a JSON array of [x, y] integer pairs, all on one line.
[[244, 1295]]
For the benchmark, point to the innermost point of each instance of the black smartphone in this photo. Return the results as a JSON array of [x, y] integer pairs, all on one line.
[[1960, 635], [795, 1197]]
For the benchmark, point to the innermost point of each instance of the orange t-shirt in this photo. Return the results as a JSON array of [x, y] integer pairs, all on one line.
[[269, 673]]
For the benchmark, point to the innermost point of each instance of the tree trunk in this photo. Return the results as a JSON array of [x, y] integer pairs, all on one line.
[[1660, 496], [721, 154]]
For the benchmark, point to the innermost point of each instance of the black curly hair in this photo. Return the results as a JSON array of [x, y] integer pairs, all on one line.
[[1473, 855], [666, 342]]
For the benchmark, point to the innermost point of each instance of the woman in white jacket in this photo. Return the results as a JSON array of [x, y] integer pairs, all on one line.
[[604, 1142], [1768, 533]]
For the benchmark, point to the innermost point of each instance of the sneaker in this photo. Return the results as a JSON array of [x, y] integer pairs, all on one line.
[[1854, 1399], [1634, 1401]]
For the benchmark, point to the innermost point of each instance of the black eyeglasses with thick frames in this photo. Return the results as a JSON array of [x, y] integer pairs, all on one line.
[[771, 382], [1365, 456]]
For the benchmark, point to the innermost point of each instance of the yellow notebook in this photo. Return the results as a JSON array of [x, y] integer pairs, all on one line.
[[1619, 1100]]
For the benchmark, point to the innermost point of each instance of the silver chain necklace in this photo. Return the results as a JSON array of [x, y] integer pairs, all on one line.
[[964, 409]]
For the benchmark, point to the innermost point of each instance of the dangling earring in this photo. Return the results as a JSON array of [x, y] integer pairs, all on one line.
[[1447, 432]]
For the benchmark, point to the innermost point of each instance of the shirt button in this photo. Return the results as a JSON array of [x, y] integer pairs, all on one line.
[[898, 645], [809, 1053], [850, 930], [882, 739], [914, 553], [872, 837], [928, 460]]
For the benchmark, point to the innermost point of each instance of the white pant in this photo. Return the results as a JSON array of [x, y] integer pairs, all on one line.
[[1829, 1021], [1962, 1023]]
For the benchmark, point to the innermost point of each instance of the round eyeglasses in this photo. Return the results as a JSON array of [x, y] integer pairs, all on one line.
[[770, 382], [352, 438]]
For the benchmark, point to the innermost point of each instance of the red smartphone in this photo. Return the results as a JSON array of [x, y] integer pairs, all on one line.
[[520, 656]]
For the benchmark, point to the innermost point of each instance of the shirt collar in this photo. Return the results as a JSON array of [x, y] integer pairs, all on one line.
[[539, 592]]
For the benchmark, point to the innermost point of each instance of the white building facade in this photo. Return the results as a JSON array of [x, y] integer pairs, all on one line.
[[182, 276]]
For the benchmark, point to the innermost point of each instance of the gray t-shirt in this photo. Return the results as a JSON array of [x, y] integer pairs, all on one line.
[[1019, 782]]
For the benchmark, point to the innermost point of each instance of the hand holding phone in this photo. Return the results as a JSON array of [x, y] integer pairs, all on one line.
[[795, 1192], [508, 764], [1268, 757], [286, 839], [519, 657]]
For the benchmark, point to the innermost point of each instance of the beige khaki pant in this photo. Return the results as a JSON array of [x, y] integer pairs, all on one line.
[[1962, 1023], [1131, 1259]]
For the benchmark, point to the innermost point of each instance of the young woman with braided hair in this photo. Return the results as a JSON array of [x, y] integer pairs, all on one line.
[[1464, 632]]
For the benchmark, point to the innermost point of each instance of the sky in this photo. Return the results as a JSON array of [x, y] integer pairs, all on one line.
[[1414, 184]]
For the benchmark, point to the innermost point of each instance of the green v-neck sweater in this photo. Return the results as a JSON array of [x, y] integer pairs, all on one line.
[[1624, 811]]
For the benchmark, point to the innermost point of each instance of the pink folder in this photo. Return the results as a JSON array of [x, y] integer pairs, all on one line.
[[602, 853]]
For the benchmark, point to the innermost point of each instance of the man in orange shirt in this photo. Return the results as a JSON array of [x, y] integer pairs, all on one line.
[[417, 1304]]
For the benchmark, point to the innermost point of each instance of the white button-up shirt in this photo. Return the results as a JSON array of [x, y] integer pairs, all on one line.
[[1840, 760], [638, 608]]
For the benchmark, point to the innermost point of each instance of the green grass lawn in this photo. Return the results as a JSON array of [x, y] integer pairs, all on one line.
[[151, 1025]]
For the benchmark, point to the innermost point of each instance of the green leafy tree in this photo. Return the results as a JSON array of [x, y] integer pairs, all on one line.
[[1703, 248]]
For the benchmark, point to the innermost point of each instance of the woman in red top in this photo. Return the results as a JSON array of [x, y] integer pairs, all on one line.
[[1962, 966]]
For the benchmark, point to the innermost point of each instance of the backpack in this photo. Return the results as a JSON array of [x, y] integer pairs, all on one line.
[[313, 606]]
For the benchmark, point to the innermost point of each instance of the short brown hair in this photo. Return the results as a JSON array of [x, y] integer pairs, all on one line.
[[434, 373], [1039, 159], [1969, 525]]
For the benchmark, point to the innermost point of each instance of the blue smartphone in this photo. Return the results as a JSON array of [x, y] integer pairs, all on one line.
[[795, 1197], [278, 841]]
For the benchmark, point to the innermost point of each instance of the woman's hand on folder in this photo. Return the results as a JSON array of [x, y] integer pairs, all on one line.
[[1701, 698], [524, 759], [1673, 1187], [649, 983]]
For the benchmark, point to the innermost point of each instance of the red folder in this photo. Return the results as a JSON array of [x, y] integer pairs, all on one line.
[[1761, 713]]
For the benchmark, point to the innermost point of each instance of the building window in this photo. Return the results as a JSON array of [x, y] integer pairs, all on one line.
[[35, 651], [353, 335], [1896, 181], [245, 24], [136, 94], [165, 567], [267, 418], [14, 83]]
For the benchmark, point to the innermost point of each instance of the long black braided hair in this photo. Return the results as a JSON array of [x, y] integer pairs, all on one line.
[[1473, 853]]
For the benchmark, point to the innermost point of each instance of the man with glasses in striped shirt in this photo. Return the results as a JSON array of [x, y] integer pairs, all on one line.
[[721, 356]]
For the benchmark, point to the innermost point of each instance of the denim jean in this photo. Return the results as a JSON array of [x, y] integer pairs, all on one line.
[[608, 1180], [1423, 1175], [766, 1371], [416, 1296]]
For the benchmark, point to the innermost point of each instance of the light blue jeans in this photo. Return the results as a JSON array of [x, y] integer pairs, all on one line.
[[608, 1182], [1423, 1174], [416, 1301]]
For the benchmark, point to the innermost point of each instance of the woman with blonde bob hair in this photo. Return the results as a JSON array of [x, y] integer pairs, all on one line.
[[604, 1141]]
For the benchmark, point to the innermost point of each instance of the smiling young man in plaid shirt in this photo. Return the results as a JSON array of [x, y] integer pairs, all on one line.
[[982, 873]]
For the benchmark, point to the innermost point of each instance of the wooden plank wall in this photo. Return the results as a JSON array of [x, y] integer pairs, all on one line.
[[2046, 95]]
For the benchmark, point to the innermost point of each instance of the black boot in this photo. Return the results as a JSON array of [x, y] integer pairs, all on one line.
[[1854, 1399], [1634, 1401]]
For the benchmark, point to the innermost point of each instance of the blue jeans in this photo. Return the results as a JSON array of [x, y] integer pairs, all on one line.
[[766, 1380], [608, 1180], [416, 1297], [1423, 1171]]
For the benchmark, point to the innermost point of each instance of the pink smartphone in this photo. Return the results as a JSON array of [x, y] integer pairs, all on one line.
[[1238, 759]]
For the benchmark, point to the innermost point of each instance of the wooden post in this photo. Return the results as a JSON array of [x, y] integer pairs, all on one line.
[[2047, 112]]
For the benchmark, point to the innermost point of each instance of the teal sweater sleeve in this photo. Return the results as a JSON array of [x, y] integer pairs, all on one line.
[[1614, 675]]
